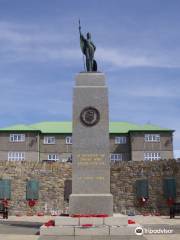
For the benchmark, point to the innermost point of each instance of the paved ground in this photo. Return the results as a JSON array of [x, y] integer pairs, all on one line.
[[172, 237], [21, 228], [18, 237], [25, 228], [94, 238]]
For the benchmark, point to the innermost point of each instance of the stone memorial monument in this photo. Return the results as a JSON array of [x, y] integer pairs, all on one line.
[[91, 165], [90, 149]]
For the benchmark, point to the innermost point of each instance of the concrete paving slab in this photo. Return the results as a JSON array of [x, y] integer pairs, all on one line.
[[92, 231], [165, 228], [91, 220], [29, 218], [18, 237], [57, 230], [163, 237], [93, 238], [72, 238], [56, 238], [156, 220], [123, 230], [22, 228], [66, 221], [116, 221]]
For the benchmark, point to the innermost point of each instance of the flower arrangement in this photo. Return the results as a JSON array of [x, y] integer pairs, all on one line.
[[32, 202], [50, 223], [90, 215]]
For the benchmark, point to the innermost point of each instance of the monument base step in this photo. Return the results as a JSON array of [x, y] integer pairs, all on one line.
[[91, 204], [90, 226], [57, 231], [92, 231], [121, 220], [89, 231]]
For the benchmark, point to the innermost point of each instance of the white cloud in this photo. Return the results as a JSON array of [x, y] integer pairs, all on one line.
[[153, 91], [23, 42], [31, 43], [29, 34], [42, 54], [176, 153], [136, 58], [142, 89]]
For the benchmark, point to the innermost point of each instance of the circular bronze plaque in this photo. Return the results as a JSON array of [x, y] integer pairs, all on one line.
[[89, 116]]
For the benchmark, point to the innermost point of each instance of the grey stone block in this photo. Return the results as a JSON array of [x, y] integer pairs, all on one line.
[[57, 230], [91, 204], [58, 238], [90, 79], [116, 221], [91, 220], [66, 221], [123, 230], [92, 231]]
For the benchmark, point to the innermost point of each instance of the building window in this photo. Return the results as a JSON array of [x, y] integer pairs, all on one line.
[[120, 140], [70, 159], [16, 156], [116, 157], [68, 140], [53, 157], [17, 137], [150, 156], [49, 140], [152, 137]]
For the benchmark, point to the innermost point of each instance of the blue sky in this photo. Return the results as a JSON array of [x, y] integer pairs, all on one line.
[[137, 47]]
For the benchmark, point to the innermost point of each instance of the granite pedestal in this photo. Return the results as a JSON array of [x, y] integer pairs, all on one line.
[[90, 149]]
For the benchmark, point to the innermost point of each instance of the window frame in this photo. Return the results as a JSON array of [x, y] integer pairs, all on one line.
[[152, 137], [16, 156], [47, 138], [120, 139], [17, 137], [116, 159], [53, 159], [68, 140], [152, 156]]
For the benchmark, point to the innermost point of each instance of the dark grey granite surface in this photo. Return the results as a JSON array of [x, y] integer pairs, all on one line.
[[90, 150]]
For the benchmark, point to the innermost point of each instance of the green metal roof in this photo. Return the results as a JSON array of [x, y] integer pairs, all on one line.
[[53, 127], [125, 127], [152, 127], [19, 127], [66, 127], [122, 127]]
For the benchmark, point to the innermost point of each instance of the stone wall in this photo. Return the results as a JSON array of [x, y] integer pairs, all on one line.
[[51, 179], [123, 179], [52, 176]]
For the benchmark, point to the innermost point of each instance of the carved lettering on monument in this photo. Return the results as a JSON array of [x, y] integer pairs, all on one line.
[[87, 178], [90, 159]]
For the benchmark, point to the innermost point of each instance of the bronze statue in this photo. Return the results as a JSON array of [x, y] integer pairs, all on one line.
[[88, 48]]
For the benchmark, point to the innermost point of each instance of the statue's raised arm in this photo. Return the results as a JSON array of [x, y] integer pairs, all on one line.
[[88, 48]]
